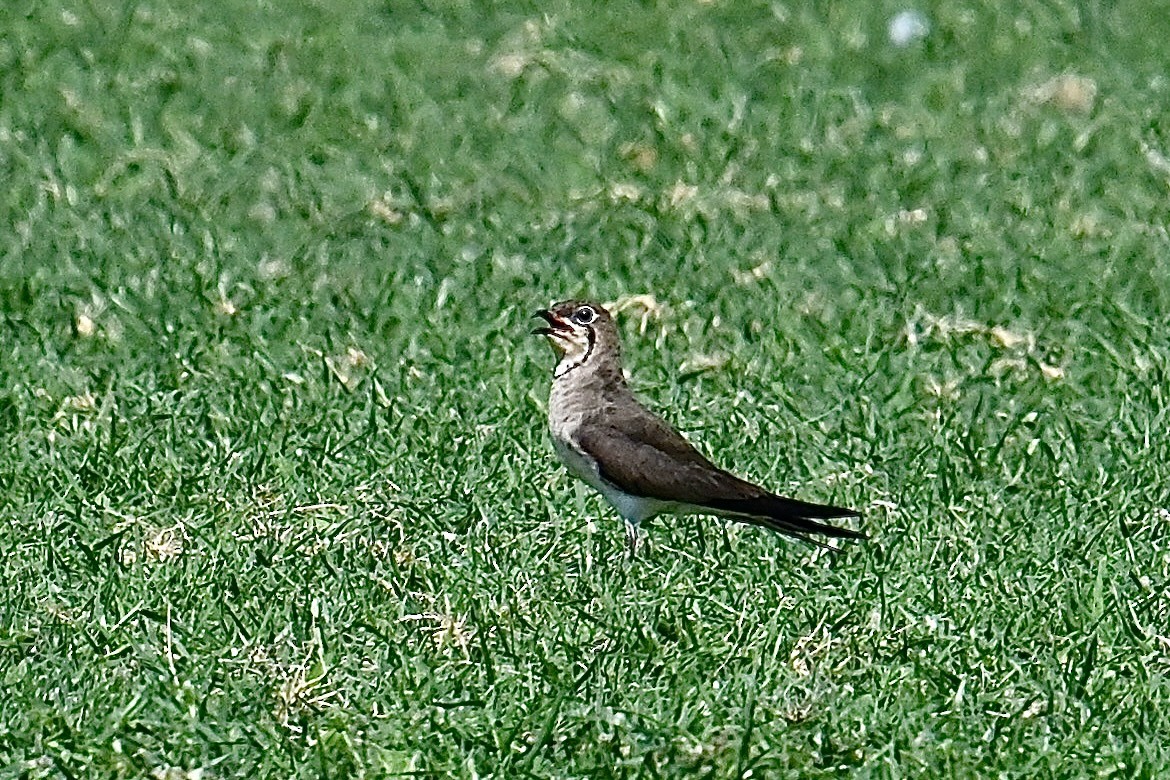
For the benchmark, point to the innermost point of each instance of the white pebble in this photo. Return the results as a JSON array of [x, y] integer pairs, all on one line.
[[907, 27]]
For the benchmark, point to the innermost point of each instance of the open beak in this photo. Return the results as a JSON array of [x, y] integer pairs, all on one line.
[[555, 324]]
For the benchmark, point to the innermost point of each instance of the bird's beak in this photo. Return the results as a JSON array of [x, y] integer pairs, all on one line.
[[555, 324]]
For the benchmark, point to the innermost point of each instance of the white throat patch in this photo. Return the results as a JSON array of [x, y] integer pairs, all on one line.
[[567, 363]]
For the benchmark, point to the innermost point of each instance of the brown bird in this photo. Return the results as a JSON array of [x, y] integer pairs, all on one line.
[[641, 465]]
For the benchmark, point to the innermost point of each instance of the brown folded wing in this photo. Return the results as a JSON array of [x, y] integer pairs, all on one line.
[[646, 458], [649, 459]]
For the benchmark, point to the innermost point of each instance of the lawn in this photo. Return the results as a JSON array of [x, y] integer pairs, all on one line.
[[276, 494]]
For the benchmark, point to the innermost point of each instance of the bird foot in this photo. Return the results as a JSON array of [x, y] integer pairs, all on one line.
[[632, 540]]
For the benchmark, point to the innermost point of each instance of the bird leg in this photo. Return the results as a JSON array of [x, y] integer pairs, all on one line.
[[632, 539]]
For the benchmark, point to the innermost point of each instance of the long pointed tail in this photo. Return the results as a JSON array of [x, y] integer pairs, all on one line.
[[789, 516]]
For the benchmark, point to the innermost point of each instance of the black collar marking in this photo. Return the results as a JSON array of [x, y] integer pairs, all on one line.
[[591, 338]]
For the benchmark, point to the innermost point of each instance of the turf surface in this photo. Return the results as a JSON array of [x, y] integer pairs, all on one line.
[[275, 491]]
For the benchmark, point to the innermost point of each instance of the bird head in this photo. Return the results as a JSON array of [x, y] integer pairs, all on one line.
[[579, 332]]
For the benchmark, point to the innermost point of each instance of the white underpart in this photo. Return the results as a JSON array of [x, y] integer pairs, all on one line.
[[633, 509]]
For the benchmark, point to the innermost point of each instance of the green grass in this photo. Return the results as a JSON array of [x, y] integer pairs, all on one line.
[[276, 496]]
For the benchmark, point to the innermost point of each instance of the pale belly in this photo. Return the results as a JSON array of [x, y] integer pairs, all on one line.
[[633, 509]]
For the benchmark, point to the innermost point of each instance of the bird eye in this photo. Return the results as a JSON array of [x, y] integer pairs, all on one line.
[[584, 315]]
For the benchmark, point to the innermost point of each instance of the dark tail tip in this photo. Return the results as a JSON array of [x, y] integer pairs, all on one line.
[[790, 516]]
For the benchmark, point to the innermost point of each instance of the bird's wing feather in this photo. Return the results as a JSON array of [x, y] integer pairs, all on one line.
[[639, 424], [653, 461]]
